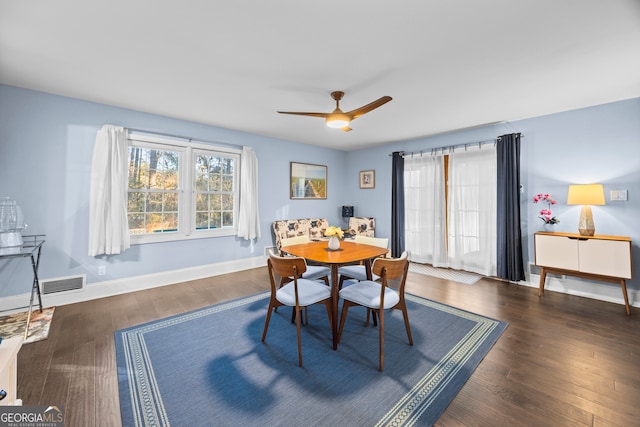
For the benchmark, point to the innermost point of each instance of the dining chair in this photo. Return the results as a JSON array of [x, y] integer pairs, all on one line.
[[314, 272], [299, 293], [358, 272], [378, 296]]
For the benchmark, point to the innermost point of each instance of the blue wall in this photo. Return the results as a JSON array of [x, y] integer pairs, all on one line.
[[598, 144], [46, 146]]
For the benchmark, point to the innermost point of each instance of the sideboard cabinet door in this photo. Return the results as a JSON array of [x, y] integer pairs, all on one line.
[[605, 257], [556, 252]]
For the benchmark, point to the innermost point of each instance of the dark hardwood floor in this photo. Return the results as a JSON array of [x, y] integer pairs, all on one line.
[[563, 360]]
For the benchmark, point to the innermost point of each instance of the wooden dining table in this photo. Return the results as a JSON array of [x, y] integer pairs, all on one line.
[[348, 253]]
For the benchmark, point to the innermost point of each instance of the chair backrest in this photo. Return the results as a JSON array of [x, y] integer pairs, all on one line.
[[295, 240], [286, 266], [381, 242], [392, 268]]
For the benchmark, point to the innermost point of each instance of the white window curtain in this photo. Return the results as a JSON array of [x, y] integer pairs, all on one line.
[[472, 210], [425, 214], [248, 218], [108, 226]]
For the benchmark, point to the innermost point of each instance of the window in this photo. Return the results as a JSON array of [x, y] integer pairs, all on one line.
[[214, 190], [179, 190]]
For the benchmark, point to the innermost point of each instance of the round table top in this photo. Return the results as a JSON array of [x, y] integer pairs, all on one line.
[[349, 252]]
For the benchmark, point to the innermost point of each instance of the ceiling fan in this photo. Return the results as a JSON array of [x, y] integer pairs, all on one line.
[[339, 119]]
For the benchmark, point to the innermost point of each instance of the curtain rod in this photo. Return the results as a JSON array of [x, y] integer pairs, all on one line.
[[183, 138], [170, 135], [450, 148]]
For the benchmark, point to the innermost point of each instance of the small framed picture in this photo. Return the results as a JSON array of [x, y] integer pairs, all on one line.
[[368, 179]]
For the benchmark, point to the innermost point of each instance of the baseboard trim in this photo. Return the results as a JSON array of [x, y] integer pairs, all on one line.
[[15, 303], [584, 288], [107, 288]]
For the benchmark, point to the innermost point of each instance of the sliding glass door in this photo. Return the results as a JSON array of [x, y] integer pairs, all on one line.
[[472, 210], [425, 209], [450, 209]]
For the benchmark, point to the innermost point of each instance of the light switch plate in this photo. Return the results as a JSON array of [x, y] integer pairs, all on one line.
[[618, 195]]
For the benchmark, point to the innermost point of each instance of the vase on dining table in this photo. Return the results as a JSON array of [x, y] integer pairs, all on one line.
[[334, 243]]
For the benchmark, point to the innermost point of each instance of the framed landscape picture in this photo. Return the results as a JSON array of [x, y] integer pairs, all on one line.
[[368, 179], [308, 181]]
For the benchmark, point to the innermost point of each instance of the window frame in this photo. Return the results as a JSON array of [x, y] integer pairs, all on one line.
[[188, 150]]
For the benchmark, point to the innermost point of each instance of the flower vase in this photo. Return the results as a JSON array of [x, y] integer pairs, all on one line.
[[334, 243], [548, 227]]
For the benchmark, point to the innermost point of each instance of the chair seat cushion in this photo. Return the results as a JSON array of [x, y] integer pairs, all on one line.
[[367, 293], [316, 272], [357, 272], [309, 292]]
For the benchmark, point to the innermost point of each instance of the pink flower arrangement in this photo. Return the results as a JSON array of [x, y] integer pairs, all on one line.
[[546, 215]]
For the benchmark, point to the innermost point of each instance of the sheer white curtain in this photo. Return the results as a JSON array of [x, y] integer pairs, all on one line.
[[425, 213], [248, 218], [108, 226], [472, 210]]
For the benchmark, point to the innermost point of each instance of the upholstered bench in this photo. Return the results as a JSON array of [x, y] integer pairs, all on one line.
[[285, 229], [315, 227]]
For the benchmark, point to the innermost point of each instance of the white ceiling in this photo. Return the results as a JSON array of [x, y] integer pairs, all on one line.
[[447, 64]]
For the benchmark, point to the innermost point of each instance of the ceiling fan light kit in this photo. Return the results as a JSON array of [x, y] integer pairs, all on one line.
[[337, 118]]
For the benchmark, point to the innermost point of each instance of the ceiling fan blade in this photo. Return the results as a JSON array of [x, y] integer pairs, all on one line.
[[371, 106], [346, 129], [323, 115]]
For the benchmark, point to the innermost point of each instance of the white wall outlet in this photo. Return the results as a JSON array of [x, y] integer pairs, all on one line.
[[618, 195], [102, 270]]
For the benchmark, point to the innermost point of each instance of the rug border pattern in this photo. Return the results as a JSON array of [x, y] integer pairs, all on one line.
[[146, 401], [148, 407], [411, 406]]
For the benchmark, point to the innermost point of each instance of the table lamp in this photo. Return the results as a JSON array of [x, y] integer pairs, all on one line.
[[347, 212], [586, 195]]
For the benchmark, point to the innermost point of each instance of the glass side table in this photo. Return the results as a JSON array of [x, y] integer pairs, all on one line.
[[31, 248]]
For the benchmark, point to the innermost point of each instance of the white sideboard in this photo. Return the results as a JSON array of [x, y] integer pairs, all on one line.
[[603, 258]]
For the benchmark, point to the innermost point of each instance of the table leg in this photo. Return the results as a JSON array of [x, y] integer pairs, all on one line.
[[36, 280], [626, 298], [334, 302], [35, 286], [33, 289], [367, 268], [543, 276]]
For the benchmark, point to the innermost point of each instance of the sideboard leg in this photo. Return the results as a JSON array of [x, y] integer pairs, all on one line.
[[543, 277], [623, 285]]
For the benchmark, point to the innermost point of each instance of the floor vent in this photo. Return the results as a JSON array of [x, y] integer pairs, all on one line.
[[64, 284], [534, 269]]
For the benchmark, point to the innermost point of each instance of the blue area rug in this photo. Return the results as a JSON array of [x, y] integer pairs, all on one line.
[[208, 367]]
